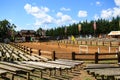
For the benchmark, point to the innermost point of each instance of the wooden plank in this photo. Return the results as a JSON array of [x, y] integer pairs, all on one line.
[[49, 65], [9, 68], [18, 66], [33, 58], [2, 71], [100, 66], [48, 52], [59, 63], [7, 55], [109, 72], [68, 62], [23, 57], [42, 58], [15, 56], [0, 54], [75, 61]]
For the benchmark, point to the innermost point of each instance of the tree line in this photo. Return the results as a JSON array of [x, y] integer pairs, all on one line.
[[103, 26], [7, 29]]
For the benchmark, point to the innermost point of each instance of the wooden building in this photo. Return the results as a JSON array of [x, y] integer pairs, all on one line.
[[26, 36], [114, 34]]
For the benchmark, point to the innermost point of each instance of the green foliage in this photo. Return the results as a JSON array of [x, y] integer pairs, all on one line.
[[6, 30], [103, 27]]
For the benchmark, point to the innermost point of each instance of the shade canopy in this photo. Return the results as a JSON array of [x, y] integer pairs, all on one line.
[[114, 33]]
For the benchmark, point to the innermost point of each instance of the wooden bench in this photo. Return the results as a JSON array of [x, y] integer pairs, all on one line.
[[100, 66], [23, 57], [11, 70], [103, 70], [3, 72], [33, 58], [41, 69], [41, 57], [110, 73], [15, 56], [23, 68], [50, 67], [73, 63]]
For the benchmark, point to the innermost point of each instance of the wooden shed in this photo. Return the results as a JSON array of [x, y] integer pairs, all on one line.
[[114, 34]]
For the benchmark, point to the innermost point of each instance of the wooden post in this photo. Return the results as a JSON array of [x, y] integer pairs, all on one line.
[[99, 49], [96, 58], [90, 43], [53, 56], [39, 52], [118, 55], [24, 49], [28, 76], [109, 50], [30, 51], [103, 43], [110, 43], [27, 49], [73, 55]]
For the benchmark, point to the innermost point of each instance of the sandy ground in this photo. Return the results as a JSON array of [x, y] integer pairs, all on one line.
[[63, 48]]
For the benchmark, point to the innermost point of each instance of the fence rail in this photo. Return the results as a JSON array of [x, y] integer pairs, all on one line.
[[92, 42], [96, 57]]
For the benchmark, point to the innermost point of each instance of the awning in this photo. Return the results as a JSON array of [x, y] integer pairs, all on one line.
[[114, 33]]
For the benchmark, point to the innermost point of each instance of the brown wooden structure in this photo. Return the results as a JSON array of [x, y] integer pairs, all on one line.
[[25, 36]]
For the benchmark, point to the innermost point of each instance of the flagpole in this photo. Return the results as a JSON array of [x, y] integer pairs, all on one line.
[[119, 23], [66, 34], [79, 28], [94, 26]]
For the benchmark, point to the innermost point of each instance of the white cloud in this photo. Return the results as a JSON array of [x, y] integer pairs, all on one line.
[[65, 9], [117, 2], [82, 14], [98, 3], [59, 14], [96, 16], [62, 19], [43, 18], [31, 9], [109, 13], [106, 13], [39, 13], [116, 11]]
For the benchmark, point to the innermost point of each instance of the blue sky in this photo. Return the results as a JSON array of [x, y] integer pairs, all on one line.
[[47, 14]]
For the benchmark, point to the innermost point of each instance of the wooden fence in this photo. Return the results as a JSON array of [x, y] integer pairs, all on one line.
[[96, 57], [31, 51], [92, 42]]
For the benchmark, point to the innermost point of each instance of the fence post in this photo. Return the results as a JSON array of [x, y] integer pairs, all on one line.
[[118, 54], [53, 55], [96, 58], [24, 49], [30, 51], [103, 43], [39, 52], [73, 55], [110, 43]]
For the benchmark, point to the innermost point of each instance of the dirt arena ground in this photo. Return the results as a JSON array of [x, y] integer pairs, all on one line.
[[69, 48], [61, 48]]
